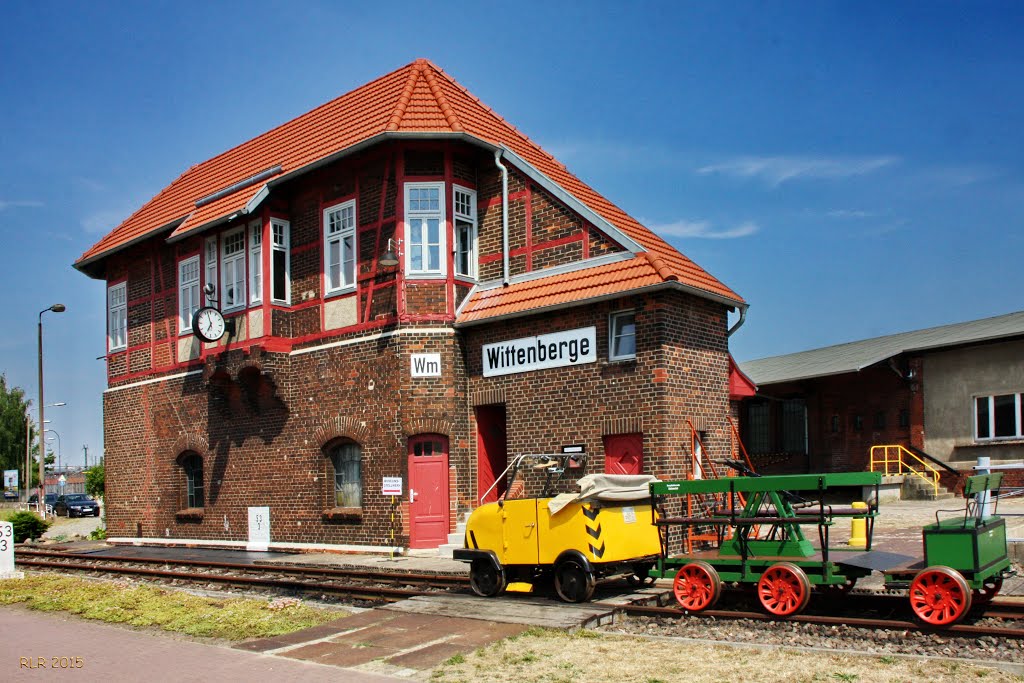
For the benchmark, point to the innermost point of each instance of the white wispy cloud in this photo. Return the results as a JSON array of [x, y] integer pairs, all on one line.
[[780, 169], [105, 220], [19, 203], [703, 229], [849, 213]]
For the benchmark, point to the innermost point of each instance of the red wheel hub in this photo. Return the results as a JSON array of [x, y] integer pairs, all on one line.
[[940, 596], [697, 586], [784, 589]]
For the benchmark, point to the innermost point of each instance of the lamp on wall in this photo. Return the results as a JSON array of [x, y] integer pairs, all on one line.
[[390, 257]]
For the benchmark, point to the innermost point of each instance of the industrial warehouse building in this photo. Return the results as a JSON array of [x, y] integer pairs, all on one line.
[[357, 404]]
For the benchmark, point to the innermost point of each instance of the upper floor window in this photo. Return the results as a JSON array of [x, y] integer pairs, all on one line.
[[1000, 416], [280, 266], [232, 266], [255, 262], [340, 247], [424, 225], [188, 293], [117, 317], [622, 336], [465, 231]]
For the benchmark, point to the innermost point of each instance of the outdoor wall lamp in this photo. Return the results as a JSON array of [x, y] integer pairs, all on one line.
[[390, 257]]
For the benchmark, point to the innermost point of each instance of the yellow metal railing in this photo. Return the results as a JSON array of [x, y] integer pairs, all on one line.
[[895, 460]]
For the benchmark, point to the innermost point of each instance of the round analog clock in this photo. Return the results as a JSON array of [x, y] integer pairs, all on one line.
[[208, 324]]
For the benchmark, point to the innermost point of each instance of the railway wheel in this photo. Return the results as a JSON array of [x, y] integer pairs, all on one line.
[[940, 596], [989, 590], [573, 582], [697, 586], [784, 589], [485, 579]]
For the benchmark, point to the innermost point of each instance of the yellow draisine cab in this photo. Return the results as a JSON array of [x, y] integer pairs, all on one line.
[[575, 538]]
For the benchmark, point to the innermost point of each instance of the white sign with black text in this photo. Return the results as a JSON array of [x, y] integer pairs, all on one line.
[[425, 364], [555, 350], [391, 486], [259, 529], [7, 552]]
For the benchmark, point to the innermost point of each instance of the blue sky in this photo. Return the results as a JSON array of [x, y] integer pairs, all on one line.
[[851, 169]]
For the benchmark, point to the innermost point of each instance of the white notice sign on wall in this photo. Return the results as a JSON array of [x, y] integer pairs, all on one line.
[[392, 486], [555, 350], [425, 364], [259, 529]]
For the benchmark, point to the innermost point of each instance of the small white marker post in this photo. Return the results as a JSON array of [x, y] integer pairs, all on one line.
[[392, 486], [7, 552]]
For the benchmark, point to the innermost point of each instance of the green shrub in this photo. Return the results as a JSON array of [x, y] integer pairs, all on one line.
[[98, 534], [27, 525]]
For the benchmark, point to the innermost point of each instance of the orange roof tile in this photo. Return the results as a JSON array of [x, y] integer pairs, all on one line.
[[418, 97]]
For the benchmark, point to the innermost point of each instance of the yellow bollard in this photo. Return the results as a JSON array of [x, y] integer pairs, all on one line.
[[859, 528]]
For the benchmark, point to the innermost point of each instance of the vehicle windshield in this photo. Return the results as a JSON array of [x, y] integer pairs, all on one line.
[[77, 498]]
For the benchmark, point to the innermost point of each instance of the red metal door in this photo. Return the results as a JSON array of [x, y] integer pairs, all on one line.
[[492, 450], [624, 454], [428, 491]]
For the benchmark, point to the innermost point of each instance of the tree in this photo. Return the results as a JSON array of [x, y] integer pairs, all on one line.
[[13, 410], [96, 481]]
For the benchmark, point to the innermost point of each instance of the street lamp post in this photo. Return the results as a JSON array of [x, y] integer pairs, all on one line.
[[59, 447], [56, 308]]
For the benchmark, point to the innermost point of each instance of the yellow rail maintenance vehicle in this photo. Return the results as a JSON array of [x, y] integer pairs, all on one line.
[[573, 539]]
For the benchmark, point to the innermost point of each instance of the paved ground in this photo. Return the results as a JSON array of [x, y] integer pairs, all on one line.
[[37, 646], [72, 527]]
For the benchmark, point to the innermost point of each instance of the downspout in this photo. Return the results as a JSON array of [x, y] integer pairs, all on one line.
[[739, 323], [504, 217]]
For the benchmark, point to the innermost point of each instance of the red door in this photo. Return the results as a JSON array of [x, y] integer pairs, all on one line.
[[492, 451], [428, 491], [624, 454]]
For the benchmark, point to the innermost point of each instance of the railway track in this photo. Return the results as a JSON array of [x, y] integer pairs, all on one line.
[[364, 585], [962, 630]]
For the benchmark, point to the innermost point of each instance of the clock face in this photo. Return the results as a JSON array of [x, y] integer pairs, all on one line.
[[208, 324]]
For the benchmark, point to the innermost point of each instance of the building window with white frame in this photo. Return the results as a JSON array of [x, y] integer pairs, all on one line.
[[232, 270], [211, 268], [255, 262], [189, 300], [117, 317], [464, 204], [346, 461], [424, 229], [340, 247], [999, 416], [280, 268], [622, 336]]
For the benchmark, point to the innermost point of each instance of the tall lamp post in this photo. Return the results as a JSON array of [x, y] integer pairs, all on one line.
[[59, 448], [28, 449], [56, 308]]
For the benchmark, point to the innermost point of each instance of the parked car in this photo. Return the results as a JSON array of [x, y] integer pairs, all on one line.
[[76, 505], [10, 495], [50, 499]]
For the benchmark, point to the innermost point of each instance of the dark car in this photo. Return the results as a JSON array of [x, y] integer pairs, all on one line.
[[51, 498], [76, 505]]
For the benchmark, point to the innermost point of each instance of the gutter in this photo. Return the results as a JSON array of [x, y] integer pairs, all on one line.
[[504, 216], [739, 323]]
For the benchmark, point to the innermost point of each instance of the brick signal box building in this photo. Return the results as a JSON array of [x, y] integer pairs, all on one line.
[[525, 313]]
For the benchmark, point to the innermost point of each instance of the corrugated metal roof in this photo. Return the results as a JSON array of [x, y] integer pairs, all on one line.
[[855, 356]]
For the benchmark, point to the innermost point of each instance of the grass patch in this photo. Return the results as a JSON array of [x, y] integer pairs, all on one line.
[[147, 606], [554, 656]]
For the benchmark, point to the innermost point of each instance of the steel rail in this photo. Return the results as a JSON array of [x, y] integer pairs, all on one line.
[[376, 593], [957, 629], [437, 580]]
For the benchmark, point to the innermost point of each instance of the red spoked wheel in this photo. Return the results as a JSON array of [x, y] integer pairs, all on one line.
[[697, 586], [784, 589], [940, 596], [989, 590]]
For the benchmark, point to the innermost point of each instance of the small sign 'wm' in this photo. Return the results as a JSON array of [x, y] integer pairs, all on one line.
[[425, 364]]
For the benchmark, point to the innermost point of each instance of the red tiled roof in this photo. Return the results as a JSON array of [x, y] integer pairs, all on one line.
[[418, 97]]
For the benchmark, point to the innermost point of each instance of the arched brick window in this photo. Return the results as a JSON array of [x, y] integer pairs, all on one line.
[[346, 458], [192, 465]]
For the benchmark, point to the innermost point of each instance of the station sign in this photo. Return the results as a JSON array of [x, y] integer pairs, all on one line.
[[555, 350], [425, 364]]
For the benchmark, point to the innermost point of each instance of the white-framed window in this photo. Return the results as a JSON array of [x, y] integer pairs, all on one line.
[[189, 300], [210, 256], [424, 229], [464, 205], [622, 335], [232, 270], [255, 262], [117, 317], [999, 416], [280, 267], [340, 247]]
